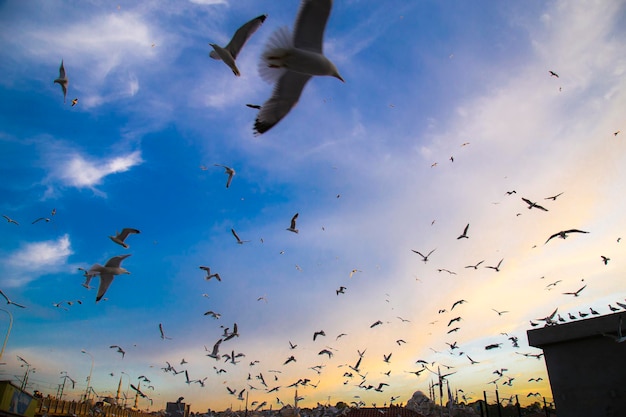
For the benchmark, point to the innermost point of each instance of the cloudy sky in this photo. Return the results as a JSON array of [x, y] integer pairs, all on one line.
[[448, 116]]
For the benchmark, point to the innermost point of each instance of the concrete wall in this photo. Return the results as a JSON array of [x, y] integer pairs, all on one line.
[[587, 369]]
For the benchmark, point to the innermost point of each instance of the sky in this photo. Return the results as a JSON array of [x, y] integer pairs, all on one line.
[[448, 116]]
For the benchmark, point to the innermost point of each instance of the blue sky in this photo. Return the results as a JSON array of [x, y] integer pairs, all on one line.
[[366, 164]]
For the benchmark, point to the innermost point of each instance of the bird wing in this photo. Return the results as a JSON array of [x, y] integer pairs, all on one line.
[[127, 231], [293, 221], [242, 35], [115, 261], [62, 70], [310, 24], [105, 282], [235, 234], [285, 96]]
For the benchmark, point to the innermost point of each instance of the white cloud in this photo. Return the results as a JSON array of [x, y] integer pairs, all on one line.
[[76, 170], [36, 259]]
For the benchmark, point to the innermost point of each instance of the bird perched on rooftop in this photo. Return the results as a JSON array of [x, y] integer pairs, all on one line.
[[62, 80], [229, 53], [291, 59], [120, 238], [107, 273]]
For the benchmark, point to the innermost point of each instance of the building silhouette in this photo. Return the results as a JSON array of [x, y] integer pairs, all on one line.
[[586, 362]]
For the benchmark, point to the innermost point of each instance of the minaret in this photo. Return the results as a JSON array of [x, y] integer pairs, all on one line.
[[119, 391]]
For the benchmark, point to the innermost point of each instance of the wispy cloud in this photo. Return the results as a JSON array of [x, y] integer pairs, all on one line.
[[73, 169], [36, 259]]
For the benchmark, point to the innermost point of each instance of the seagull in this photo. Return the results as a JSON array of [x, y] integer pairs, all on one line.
[[499, 312], [119, 238], [63, 81], [497, 267], [239, 241], [108, 272], [424, 258], [475, 266], [229, 171], [457, 303], [229, 53], [376, 323], [563, 234], [254, 106], [290, 60], [553, 74], [292, 226], [119, 350], [9, 301], [605, 260], [575, 294], [553, 198], [464, 234], [163, 333], [532, 204], [41, 218], [214, 353], [213, 314], [209, 275], [341, 290], [320, 333], [10, 220], [74, 102]]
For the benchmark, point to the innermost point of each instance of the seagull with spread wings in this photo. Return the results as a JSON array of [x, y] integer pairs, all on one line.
[[563, 234], [228, 171], [291, 59], [107, 273], [9, 301], [120, 238], [229, 53], [424, 257], [577, 292]]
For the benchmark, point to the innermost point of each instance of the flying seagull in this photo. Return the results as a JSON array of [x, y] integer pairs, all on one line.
[[553, 74], [163, 332], [292, 226], [532, 204], [108, 272], [618, 337], [209, 275], [563, 234], [554, 197], [291, 59], [229, 53], [497, 267], [119, 238], [464, 234], [229, 171], [9, 301], [577, 292], [424, 258], [63, 81], [239, 241], [10, 220]]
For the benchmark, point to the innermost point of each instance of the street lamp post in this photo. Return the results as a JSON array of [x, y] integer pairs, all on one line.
[[87, 391], [6, 338]]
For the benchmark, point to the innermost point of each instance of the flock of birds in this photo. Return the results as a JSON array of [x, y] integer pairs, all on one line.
[[288, 61]]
